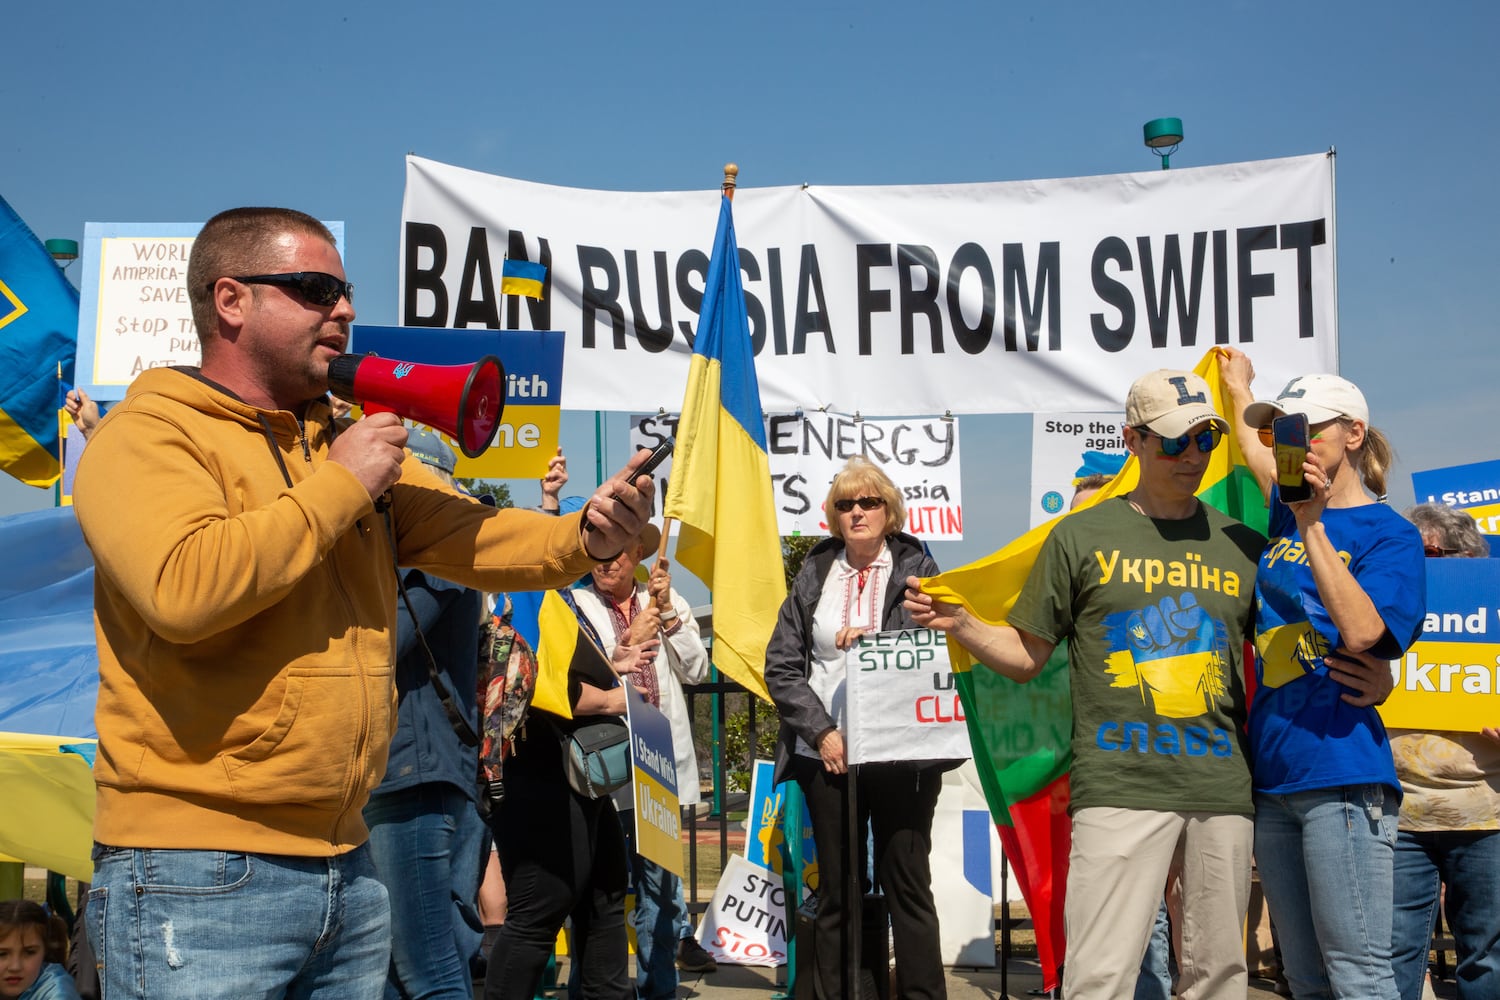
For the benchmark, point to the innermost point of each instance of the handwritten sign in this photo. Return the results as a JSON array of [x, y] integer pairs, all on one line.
[[745, 924], [902, 701], [921, 455], [134, 312]]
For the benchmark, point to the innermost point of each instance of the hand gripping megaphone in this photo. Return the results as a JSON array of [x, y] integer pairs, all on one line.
[[463, 401]]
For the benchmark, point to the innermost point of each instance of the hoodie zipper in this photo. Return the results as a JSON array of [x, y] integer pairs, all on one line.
[[354, 777]]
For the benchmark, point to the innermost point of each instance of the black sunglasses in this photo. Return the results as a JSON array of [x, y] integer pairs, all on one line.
[[1438, 552], [865, 503], [1172, 447], [317, 287]]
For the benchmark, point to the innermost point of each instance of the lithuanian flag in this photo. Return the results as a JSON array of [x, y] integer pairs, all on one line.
[[1021, 732]]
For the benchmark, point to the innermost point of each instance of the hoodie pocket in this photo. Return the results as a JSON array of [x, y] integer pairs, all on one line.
[[318, 742]]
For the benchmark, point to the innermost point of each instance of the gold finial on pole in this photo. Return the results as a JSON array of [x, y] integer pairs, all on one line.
[[731, 176]]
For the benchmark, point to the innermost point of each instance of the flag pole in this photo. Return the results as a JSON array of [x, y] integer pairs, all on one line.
[[731, 181]]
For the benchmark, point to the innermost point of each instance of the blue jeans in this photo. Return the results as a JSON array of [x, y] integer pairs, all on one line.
[[1468, 863], [1325, 860], [660, 921], [203, 925], [426, 841], [1155, 979]]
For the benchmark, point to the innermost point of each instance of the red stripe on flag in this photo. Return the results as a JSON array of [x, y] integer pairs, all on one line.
[[1037, 845]]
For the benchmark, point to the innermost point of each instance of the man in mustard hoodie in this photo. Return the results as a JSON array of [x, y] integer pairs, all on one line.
[[245, 602]]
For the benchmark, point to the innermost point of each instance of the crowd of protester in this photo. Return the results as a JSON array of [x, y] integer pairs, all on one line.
[[256, 548]]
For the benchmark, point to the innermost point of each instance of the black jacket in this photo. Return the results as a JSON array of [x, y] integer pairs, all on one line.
[[789, 652]]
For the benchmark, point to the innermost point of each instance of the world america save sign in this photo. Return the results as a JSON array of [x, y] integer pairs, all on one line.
[[888, 301]]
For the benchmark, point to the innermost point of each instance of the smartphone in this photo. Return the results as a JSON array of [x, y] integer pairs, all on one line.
[[658, 455], [1289, 437]]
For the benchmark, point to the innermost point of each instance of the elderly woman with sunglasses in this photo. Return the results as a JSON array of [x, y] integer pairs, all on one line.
[[1341, 587], [850, 584], [1450, 820]]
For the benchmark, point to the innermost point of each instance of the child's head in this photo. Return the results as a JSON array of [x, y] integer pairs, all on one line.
[[29, 938]]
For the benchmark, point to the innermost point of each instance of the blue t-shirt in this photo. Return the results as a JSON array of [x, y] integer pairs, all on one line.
[[1302, 734]]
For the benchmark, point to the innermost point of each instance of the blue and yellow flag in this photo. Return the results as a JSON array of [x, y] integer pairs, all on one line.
[[522, 277], [38, 337], [720, 487]]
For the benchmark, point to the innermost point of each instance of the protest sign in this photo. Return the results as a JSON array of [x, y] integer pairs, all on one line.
[[764, 829], [1475, 488], [1450, 677], [921, 455], [1011, 297], [1063, 446], [902, 701], [745, 923], [133, 309], [527, 436], [658, 816]]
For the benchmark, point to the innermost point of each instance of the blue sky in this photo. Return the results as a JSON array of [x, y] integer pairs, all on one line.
[[171, 111]]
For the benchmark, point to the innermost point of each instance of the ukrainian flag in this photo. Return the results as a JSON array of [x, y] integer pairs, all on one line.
[[522, 277], [720, 487], [38, 337]]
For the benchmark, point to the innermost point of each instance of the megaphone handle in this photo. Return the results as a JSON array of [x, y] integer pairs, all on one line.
[[370, 408]]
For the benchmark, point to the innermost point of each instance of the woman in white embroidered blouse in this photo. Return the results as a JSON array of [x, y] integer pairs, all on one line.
[[849, 585]]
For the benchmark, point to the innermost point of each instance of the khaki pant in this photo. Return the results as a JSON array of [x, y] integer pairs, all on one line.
[[1120, 864]]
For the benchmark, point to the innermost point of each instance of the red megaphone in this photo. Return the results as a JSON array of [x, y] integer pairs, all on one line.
[[463, 401]]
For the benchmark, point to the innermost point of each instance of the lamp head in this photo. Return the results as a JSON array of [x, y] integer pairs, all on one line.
[[1162, 136], [62, 250]]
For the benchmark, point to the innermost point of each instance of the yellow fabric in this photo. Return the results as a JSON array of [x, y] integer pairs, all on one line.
[[557, 629], [246, 628], [48, 817], [720, 490]]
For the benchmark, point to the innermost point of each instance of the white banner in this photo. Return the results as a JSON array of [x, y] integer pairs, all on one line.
[[1021, 296], [920, 455], [902, 701]]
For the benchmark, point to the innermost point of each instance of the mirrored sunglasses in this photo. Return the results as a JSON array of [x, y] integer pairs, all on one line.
[[1315, 432], [865, 503], [1206, 440], [317, 287]]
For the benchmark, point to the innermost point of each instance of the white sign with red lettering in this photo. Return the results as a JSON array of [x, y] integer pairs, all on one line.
[[903, 704], [745, 924], [920, 454]]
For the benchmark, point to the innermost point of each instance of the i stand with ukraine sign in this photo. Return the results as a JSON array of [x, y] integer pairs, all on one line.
[[658, 817]]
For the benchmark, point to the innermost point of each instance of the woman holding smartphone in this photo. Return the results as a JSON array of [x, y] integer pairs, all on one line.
[[1340, 591]]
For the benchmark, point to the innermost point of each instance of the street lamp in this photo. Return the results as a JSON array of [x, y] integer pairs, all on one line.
[[64, 252], [1163, 136]]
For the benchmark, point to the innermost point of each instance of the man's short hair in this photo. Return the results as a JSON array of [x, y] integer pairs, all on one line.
[[1092, 481], [239, 241]]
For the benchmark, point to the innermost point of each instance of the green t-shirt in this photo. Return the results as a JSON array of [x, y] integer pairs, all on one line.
[[1155, 614]]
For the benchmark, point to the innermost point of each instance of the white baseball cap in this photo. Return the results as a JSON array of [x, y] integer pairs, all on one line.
[[1171, 403], [1322, 397]]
